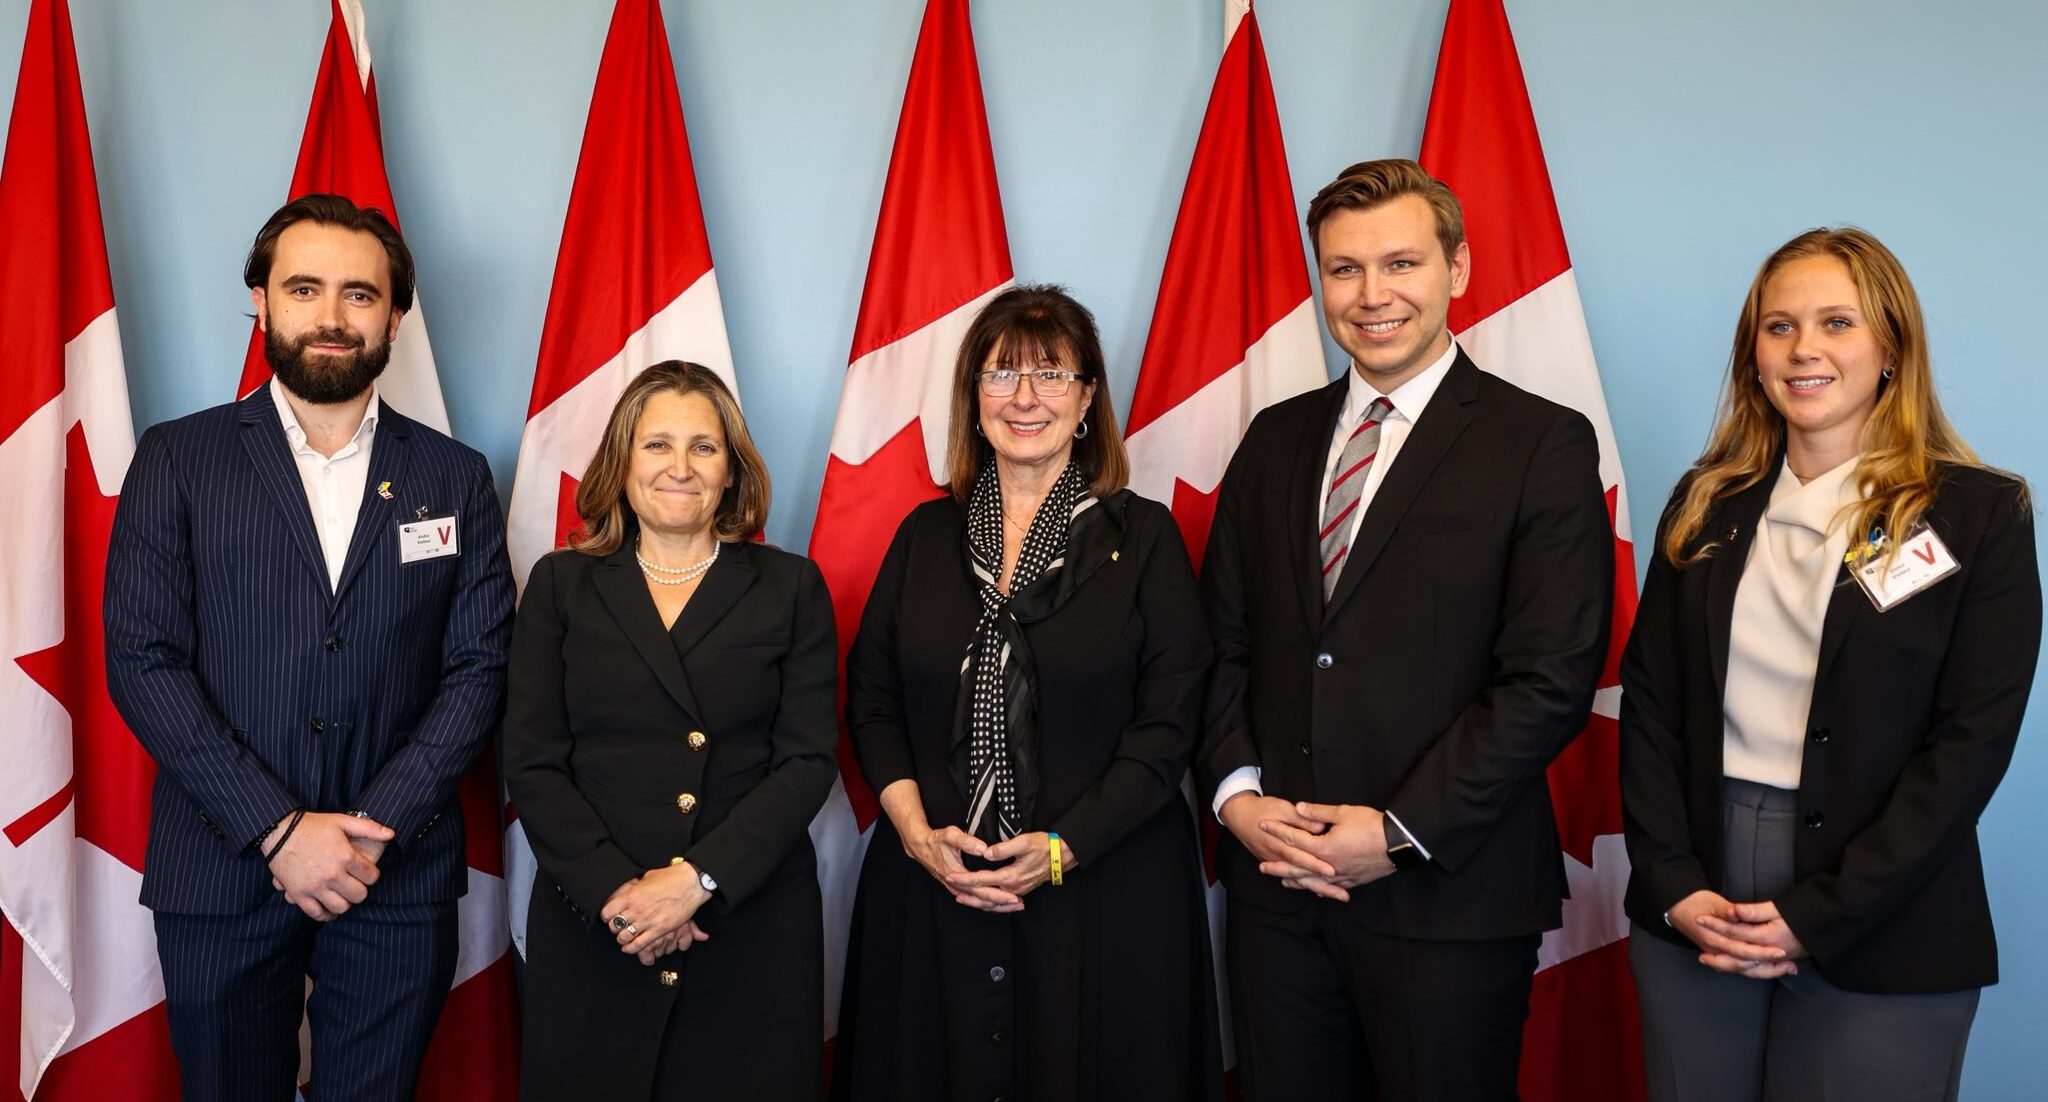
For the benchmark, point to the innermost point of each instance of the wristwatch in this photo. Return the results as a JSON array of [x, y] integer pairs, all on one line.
[[704, 879], [1401, 849]]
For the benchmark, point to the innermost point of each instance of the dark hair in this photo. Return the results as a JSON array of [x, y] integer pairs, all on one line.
[[1035, 323], [332, 210], [601, 496], [1370, 184]]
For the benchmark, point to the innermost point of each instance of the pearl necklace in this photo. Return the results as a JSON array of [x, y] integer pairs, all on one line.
[[675, 575]]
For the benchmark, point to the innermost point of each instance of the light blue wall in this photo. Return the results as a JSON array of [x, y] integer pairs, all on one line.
[[1684, 140]]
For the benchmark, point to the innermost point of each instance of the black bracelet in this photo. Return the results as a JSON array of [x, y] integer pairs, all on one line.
[[284, 835]]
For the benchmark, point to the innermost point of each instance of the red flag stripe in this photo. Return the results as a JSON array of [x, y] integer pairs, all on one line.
[[634, 139], [1480, 138], [939, 240], [1237, 221], [55, 281]]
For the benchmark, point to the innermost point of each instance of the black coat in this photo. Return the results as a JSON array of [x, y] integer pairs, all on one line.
[[1914, 715], [1101, 988], [598, 753], [1455, 659]]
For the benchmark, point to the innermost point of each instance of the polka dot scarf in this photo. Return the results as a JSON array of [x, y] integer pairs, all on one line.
[[998, 688]]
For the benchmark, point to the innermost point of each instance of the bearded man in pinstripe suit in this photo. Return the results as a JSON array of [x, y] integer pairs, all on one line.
[[307, 611]]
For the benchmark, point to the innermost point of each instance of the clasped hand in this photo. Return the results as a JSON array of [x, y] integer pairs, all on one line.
[[660, 908], [328, 863], [1741, 939], [1322, 848]]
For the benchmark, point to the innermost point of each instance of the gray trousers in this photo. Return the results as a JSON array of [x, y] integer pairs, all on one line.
[[1713, 1037]]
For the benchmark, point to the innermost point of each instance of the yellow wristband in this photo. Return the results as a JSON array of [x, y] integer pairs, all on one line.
[[1053, 841]]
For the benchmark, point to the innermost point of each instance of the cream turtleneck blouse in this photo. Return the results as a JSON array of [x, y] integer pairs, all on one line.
[[1774, 636]]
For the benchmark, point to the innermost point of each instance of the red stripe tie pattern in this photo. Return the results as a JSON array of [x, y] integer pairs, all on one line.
[[1345, 487]]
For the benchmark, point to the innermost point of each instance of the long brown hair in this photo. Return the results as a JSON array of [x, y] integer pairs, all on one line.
[[1906, 436], [601, 496], [1033, 324]]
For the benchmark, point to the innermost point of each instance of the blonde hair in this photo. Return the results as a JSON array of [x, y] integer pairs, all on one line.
[[1369, 185], [1031, 324], [601, 496], [1905, 438]]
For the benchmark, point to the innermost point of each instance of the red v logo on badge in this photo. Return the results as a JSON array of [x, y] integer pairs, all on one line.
[[1924, 552], [443, 533]]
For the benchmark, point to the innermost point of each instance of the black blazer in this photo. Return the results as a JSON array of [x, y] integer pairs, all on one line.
[[604, 700], [1457, 657], [1915, 712], [628, 746]]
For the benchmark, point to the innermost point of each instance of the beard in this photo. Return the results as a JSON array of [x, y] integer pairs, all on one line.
[[323, 379]]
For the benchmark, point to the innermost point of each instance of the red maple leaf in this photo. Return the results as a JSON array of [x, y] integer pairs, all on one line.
[[111, 773]]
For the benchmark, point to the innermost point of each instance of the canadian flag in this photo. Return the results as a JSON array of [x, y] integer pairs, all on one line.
[[1234, 330], [940, 254], [633, 287], [81, 998], [1520, 318], [342, 153]]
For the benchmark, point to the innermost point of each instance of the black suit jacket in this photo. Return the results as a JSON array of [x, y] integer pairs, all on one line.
[[1914, 715], [1457, 657], [597, 746], [612, 722], [258, 688]]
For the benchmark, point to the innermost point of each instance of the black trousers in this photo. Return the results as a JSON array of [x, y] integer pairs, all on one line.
[[235, 993], [1326, 1009]]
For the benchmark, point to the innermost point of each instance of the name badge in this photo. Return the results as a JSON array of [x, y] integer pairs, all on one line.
[[1920, 561], [428, 538]]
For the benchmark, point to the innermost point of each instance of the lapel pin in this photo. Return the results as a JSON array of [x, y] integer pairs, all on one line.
[[384, 490], [420, 513], [1730, 536]]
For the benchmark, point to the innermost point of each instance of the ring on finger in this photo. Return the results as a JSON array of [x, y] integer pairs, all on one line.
[[619, 922]]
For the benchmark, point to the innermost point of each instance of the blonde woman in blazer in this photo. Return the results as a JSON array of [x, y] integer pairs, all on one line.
[[1802, 773]]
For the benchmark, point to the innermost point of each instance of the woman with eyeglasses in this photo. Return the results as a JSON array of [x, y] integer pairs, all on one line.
[[1024, 694]]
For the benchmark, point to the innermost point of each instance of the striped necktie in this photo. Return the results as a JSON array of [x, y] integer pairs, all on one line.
[[1345, 487]]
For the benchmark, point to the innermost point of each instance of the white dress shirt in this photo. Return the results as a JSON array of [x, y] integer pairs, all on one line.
[[334, 484], [1409, 400], [1774, 633]]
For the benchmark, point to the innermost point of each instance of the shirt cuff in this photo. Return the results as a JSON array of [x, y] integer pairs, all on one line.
[[1245, 778], [1403, 828]]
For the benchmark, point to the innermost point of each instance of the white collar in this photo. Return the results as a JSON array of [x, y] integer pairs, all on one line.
[[1409, 399], [297, 435], [1815, 505]]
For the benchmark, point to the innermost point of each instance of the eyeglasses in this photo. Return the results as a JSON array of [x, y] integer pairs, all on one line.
[[1046, 382]]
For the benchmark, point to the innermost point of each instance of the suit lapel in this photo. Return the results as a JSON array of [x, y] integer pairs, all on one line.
[[1732, 526], [1449, 411], [1303, 495], [263, 438], [722, 586], [624, 592], [390, 457], [1845, 605]]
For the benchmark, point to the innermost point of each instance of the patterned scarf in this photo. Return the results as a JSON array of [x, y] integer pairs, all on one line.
[[995, 672]]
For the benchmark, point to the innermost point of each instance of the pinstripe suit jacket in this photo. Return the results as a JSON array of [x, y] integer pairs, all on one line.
[[258, 689]]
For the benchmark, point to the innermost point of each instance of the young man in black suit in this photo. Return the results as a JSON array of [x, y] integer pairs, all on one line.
[[1409, 580]]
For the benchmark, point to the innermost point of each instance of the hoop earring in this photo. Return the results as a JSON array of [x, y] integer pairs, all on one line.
[[1888, 372], [1081, 431], [978, 432]]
